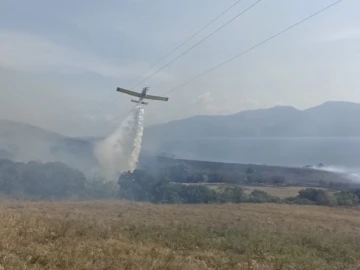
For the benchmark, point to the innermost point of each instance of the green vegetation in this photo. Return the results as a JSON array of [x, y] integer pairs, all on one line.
[[56, 181], [141, 186], [278, 191], [172, 225], [50, 181]]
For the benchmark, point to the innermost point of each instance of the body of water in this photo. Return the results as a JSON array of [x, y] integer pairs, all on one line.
[[340, 152]]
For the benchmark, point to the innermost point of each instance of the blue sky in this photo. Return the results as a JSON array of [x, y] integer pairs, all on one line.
[[61, 61]]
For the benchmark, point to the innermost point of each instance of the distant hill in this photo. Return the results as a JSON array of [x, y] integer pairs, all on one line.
[[331, 119], [328, 133], [25, 142], [307, 176]]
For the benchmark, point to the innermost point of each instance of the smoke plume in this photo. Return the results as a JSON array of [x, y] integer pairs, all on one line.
[[120, 151], [352, 174]]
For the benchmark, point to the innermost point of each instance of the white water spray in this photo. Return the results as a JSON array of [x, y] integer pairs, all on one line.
[[120, 151]]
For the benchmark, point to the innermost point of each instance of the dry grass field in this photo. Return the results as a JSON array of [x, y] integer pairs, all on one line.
[[122, 235]]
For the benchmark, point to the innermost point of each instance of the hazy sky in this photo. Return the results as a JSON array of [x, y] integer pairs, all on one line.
[[61, 61]]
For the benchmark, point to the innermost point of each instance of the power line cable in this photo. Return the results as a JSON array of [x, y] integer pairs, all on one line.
[[188, 39], [255, 46], [198, 43], [109, 98]]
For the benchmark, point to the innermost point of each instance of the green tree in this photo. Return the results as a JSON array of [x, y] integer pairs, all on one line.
[[232, 194], [165, 192], [52, 180], [98, 187], [298, 200], [249, 170], [197, 194], [356, 192], [347, 198], [259, 196], [136, 186], [10, 177], [318, 196]]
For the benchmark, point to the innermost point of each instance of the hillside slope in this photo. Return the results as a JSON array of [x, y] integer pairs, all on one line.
[[24, 142], [331, 119]]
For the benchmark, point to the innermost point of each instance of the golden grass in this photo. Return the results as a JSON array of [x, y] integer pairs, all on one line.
[[123, 235]]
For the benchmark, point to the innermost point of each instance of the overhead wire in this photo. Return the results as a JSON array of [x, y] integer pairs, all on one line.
[[254, 47], [188, 39], [198, 43], [109, 98]]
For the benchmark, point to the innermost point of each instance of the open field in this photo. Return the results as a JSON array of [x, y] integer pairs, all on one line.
[[281, 192], [123, 235]]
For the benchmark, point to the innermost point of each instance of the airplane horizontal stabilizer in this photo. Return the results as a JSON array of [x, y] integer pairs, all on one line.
[[136, 101]]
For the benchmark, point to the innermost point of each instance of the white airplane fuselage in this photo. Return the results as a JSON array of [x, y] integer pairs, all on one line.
[[143, 94], [142, 97]]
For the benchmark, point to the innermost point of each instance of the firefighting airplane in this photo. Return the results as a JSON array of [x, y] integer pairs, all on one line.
[[141, 95]]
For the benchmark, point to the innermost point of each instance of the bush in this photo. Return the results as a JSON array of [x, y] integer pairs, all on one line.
[[197, 194], [98, 187], [52, 180], [298, 200], [259, 196], [165, 192], [356, 192], [136, 186], [347, 198], [140, 186], [232, 194]]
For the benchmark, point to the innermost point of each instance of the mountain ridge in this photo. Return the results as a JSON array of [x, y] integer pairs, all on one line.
[[24, 142], [329, 119]]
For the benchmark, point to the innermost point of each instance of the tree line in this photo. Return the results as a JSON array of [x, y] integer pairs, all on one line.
[[141, 186], [54, 180], [190, 171], [51, 180]]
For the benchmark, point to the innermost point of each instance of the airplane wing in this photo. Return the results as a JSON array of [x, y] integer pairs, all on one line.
[[156, 98], [131, 93]]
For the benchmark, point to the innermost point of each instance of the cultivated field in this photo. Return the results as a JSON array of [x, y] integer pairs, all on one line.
[[281, 192], [278, 191], [123, 235]]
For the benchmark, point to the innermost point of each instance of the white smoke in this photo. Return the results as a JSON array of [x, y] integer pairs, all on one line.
[[120, 151], [350, 173]]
